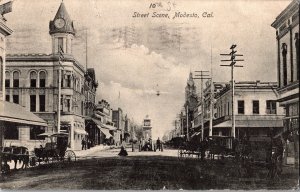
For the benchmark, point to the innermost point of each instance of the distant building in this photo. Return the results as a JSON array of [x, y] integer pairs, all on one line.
[[101, 124], [197, 123], [31, 80], [288, 59], [191, 101], [147, 129], [256, 110], [119, 121]]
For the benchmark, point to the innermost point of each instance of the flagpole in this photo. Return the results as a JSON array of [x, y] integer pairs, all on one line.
[[59, 95], [60, 55]]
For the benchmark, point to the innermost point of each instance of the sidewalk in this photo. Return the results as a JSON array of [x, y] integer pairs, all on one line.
[[83, 153]]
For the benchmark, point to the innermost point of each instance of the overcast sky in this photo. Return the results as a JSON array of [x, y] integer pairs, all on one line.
[[138, 56]]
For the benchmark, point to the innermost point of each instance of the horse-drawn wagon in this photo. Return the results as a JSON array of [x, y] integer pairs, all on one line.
[[53, 151]]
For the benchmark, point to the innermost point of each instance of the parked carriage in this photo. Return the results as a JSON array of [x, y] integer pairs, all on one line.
[[191, 148], [261, 152], [220, 146], [53, 151]]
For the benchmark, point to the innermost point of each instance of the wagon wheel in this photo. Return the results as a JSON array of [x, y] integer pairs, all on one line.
[[5, 168], [34, 161], [70, 156], [180, 153]]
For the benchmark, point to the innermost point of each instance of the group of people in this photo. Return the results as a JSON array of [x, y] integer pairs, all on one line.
[[85, 144]]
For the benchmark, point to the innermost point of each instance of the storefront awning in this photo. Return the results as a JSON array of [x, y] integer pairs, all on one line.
[[11, 112], [251, 124], [80, 131], [112, 128], [106, 132], [101, 125]]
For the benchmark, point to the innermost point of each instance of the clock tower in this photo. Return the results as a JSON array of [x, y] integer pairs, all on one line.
[[62, 31]]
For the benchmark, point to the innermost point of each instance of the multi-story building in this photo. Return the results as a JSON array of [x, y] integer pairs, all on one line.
[[207, 101], [118, 119], [14, 119], [32, 80], [288, 59], [127, 129], [100, 124], [256, 111], [191, 101]]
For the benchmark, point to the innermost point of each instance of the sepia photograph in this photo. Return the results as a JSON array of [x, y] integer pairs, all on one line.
[[149, 95]]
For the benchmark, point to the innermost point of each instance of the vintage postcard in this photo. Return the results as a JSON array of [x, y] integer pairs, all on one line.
[[149, 95]]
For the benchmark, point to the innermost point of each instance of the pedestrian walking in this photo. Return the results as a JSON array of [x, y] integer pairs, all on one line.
[[123, 151], [204, 145], [83, 143], [158, 144]]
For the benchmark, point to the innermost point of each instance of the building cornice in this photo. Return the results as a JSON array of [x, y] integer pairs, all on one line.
[[42, 57], [286, 13], [6, 30]]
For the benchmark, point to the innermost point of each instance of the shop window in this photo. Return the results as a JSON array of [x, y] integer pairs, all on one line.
[[11, 132], [271, 107], [241, 107], [16, 77], [42, 79], [16, 99], [7, 79], [42, 103], [33, 77], [35, 131], [255, 107], [32, 103]]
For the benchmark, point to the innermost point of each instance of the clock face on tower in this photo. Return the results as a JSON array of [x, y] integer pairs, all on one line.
[[59, 23]]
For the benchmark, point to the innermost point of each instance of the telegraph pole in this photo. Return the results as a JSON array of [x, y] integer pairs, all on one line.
[[233, 61], [187, 122], [201, 77], [212, 97]]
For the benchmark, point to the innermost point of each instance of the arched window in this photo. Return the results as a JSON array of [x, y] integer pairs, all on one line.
[[284, 62], [42, 79], [7, 79], [16, 77], [33, 77]]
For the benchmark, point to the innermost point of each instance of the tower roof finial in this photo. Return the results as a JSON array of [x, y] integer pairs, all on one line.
[[62, 22]]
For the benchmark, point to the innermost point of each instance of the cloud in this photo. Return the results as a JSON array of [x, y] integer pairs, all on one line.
[[138, 73]]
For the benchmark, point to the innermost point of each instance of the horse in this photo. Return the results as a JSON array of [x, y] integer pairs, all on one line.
[[16, 154], [20, 154]]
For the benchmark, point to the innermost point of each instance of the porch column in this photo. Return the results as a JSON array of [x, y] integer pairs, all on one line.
[[1, 140]]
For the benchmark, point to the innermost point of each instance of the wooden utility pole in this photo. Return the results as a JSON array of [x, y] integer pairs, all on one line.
[[232, 65], [201, 77]]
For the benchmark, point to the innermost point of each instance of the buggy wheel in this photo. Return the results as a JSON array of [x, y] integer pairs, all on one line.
[[5, 168], [34, 161], [70, 156], [179, 153]]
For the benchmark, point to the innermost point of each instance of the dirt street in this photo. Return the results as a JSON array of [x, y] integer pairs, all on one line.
[[145, 170]]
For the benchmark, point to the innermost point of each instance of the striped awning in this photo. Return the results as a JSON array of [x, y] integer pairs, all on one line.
[[11, 112]]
